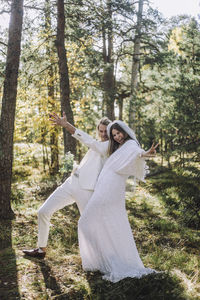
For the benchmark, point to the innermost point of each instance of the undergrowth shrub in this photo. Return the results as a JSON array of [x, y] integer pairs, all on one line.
[[180, 191]]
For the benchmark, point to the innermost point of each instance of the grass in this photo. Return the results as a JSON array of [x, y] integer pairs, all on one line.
[[164, 242]]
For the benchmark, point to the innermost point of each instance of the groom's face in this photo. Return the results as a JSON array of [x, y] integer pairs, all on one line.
[[103, 132]]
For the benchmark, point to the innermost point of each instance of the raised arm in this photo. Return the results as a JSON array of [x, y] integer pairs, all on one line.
[[86, 139], [62, 121]]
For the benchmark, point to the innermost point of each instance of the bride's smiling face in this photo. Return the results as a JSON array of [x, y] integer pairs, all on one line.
[[118, 136]]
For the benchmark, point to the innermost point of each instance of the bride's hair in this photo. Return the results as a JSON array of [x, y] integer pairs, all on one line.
[[113, 145]]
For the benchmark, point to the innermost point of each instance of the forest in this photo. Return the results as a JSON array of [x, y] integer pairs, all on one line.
[[116, 58]]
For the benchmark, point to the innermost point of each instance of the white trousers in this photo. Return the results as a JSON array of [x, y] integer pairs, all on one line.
[[66, 194]]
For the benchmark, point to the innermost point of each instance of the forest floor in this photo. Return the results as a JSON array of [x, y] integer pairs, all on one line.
[[164, 244]]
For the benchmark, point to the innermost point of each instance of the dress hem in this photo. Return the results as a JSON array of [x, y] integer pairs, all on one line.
[[117, 277]]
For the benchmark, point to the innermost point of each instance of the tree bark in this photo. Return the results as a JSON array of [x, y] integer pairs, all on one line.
[[108, 78], [9, 107], [135, 66], [120, 101], [54, 165], [121, 96], [69, 141]]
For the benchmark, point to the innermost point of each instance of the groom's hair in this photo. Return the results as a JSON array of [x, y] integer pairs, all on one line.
[[104, 121]]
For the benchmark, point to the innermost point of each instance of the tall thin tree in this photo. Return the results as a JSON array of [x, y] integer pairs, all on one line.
[[9, 107], [69, 141], [108, 77], [135, 64], [54, 166]]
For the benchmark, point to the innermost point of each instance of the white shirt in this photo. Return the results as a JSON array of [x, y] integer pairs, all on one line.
[[93, 161]]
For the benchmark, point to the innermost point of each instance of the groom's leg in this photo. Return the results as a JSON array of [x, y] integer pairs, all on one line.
[[80, 195], [60, 198]]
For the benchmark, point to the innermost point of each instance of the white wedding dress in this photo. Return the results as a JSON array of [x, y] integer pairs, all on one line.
[[105, 237]]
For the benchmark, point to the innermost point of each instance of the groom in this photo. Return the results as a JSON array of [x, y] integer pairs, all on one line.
[[79, 186]]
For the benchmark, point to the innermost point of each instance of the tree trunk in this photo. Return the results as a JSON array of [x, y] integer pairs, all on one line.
[[54, 165], [135, 66], [69, 141], [121, 102], [9, 107], [108, 78]]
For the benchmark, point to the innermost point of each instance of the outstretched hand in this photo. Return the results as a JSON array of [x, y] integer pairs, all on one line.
[[56, 120], [152, 151]]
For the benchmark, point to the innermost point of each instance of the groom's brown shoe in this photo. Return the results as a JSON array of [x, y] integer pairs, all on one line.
[[35, 253]]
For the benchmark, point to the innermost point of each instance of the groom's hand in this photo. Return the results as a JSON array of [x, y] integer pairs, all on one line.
[[56, 120]]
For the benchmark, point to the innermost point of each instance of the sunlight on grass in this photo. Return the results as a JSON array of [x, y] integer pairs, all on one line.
[[163, 242], [189, 284]]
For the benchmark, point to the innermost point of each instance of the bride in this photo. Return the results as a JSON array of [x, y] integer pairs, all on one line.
[[105, 237]]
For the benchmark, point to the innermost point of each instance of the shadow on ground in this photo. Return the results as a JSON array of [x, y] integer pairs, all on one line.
[[49, 279], [179, 189], [159, 286], [52, 286], [8, 269]]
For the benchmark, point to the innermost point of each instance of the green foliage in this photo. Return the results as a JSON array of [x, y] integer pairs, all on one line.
[[179, 190], [162, 242], [167, 110], [67, 164], [17, 196], [171, 88]]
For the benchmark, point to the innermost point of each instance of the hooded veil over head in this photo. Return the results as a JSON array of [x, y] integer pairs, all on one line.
[[125, 127]]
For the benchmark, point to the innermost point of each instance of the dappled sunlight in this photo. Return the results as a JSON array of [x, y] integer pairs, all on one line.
[[65, 65], [190, 282], [162, 242]]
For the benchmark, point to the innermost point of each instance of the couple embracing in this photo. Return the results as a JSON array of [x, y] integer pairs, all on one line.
[[98, 187]]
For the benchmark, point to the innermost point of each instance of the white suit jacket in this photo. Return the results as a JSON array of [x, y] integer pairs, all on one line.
[[93, 161]]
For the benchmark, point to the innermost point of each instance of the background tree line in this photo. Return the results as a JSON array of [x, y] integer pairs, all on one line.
[[95, 58]]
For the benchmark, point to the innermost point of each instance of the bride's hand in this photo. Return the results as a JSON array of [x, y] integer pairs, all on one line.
[[152, 151], [56, 120]]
